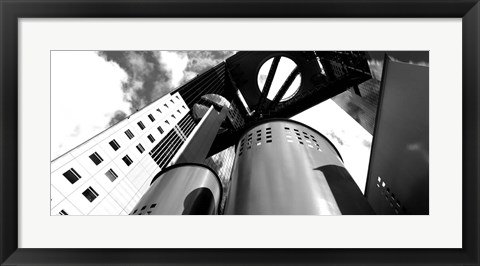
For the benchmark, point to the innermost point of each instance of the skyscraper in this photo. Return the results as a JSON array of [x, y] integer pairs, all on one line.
[[110, 172]]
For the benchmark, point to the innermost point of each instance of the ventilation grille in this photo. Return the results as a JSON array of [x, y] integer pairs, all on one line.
[[255, 139], [390, 197], [294, 135], [145, 210]]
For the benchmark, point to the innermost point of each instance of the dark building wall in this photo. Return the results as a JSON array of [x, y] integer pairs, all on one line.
[[398, 176]]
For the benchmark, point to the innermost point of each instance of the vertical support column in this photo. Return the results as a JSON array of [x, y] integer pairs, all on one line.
[[182, 189], [197, 145], [186, 186], [284, 167]]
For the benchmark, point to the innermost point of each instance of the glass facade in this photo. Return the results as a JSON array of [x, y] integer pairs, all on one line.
[[222, 164]]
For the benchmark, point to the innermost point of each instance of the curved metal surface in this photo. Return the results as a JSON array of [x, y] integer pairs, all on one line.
[[282, 167], [183, 189], [268, 120]]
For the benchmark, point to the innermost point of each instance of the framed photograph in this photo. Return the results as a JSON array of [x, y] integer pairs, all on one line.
[[317, 132]]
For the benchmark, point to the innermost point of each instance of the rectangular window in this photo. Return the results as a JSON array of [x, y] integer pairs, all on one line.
[[90, 194], [111, 175], [72, 175], [141, 125], [140, 148], [129, 134], [63, 212], [96, 158], [151, 117], [114, 145], [160, 129], [127, 160], [150, 137]]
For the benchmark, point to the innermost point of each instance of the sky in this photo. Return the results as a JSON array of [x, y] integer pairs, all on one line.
[[90, 91], [411, 57], [350, 138], [284, 68]]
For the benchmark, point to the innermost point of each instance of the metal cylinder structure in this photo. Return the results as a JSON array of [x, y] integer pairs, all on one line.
[[182, 189], [285, 167]]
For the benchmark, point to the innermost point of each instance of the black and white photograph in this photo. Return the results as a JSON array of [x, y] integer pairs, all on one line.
[[239, 132]]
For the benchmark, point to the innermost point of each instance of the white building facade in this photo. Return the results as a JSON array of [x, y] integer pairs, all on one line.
[[108, 174]]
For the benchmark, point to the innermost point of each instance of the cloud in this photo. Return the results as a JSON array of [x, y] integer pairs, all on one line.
[[76, 131], [152, 74], [174, 64], [335, 137], [146, 78], [85, 92], [345, 133], [376, 66], [367, 143], [345, 101], [201, 61], [93, 90], [117, 117]]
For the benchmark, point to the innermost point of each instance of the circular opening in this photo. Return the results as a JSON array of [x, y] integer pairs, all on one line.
[[284, 69]]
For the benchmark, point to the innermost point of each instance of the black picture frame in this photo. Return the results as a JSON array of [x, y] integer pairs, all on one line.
[[11, 11]]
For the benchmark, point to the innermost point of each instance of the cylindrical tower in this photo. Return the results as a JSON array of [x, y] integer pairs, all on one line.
[[187, 188], [285, 167]]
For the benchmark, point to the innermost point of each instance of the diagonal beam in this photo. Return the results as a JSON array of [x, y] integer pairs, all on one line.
[[281, 92], [268, 82]]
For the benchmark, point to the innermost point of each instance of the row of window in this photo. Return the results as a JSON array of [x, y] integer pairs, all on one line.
[[72, 176], [152, 118], [90, 194], [390, 197], [97, 159], [114, 144]]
